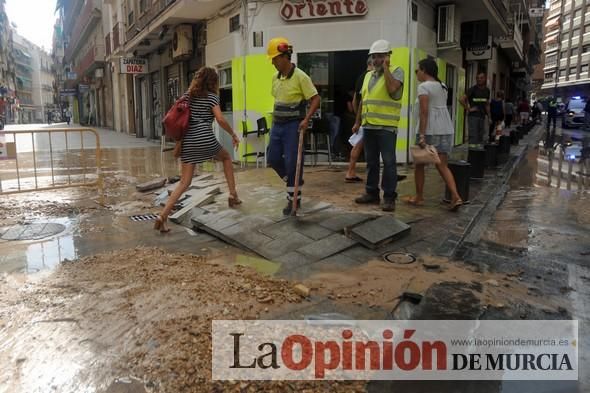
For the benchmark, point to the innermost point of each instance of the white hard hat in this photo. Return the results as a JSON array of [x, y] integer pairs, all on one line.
[[380, 46]]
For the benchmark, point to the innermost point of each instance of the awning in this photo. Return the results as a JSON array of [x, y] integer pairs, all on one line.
[[552, 22]]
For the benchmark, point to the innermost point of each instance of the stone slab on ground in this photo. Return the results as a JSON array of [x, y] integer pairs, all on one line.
[[151, 185], [283, 245], [286, 227], [327, 247], [199, 198], [339, 222], [380, 231], [361, 254], [338, 261]]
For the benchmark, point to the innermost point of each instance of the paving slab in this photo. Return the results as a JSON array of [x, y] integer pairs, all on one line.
[[327, 247], [286, 227], [248, 240], [247, 223], [376, 233], [338, 222], [292, 260], [338, 261], [283, 245], [361, 253]]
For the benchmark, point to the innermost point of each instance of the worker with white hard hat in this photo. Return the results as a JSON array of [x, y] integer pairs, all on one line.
[[379, 115]]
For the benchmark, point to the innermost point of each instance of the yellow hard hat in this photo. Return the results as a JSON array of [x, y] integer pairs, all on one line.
[[278, 46]]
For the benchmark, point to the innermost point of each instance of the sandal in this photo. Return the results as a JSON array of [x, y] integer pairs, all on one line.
[[233, 201], [160, 225], [456, 205], [354, 179], [412, 200]]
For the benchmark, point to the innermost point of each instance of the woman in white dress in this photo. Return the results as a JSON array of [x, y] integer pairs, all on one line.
[[435, 128]]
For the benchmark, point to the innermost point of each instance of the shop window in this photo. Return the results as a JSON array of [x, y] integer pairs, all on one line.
[[225, 88], [234, 23]]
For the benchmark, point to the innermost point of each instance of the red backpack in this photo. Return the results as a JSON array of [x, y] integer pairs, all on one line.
[[176, 120]]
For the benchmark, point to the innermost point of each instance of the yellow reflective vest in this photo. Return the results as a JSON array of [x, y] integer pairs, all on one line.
[[379, 109]]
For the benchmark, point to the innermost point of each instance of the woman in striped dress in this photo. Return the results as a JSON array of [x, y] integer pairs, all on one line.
[[199, 143]]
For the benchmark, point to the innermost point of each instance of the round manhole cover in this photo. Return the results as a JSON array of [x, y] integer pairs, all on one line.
[[32, 231], [400, 258]]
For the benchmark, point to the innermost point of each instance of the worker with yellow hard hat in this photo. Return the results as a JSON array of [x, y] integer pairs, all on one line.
[[296, 100], [379, 114]]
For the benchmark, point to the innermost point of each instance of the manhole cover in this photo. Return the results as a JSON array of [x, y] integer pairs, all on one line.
[[143, 217], [35, 231], [400, 258]]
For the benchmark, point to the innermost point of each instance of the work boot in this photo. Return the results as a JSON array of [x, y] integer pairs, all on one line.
[[388, 205], [289, 208], [367, 199]]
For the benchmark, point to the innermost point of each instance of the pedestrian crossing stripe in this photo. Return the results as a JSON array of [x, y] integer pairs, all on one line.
[[143, 217]]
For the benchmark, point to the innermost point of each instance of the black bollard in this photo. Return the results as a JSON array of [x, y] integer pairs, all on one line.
[[514, 137], [491, 155], [477, 160], [503, 149], [460, 170]]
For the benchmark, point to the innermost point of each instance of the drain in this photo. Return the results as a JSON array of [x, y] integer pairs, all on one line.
[[35, 231], [143, 217], [399, 258]]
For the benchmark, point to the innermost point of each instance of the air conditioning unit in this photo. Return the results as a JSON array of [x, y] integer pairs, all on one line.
[[182, 43], [445, 33]]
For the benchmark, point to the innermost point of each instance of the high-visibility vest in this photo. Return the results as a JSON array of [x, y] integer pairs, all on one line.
[[379, 109]]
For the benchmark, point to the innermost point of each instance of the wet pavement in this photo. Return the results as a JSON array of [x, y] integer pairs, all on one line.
[[535, 244]]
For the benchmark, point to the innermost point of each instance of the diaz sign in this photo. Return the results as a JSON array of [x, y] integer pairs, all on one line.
[[134, 66], [292, 10]]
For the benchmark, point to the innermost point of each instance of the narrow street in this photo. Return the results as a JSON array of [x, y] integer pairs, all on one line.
[[118, 307]]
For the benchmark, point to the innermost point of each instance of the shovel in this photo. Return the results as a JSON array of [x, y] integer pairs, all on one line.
[[298, 172]]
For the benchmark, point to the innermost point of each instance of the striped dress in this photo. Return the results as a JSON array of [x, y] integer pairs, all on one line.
[[199, 143]]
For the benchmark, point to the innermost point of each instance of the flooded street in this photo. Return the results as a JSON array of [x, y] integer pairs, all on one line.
[[93, 301]]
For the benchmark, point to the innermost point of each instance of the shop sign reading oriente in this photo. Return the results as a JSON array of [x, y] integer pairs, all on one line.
[[292, 10]]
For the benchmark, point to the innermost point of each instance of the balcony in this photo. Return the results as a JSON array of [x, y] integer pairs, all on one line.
[[92, 60], [151, 13], [89, 17], [513, 45]]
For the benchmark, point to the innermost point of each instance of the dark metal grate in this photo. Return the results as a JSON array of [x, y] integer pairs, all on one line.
[[143, 217]]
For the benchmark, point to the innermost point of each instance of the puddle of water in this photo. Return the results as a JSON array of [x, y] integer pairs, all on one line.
[[261, 265], [36, 256]]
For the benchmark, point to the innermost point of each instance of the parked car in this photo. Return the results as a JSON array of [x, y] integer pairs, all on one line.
[[573, 116]]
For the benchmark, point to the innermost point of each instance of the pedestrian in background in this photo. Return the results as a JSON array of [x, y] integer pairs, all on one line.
[[508, 112], [355, 153], [292, 90], [434, 128], [379, 115], [524, 110], [497, 115], [477, 104], [199, 143]]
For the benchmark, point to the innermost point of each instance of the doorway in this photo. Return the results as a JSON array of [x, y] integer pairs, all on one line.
[[335, 74]]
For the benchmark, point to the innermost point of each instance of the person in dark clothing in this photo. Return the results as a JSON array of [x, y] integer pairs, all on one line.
[[508, 112], [551, 117], [497, 114], [477, 104]]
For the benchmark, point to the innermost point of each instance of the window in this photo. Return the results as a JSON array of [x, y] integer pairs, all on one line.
[[142, 6], [574, 52], [551, 59], [586, 49], [234, 23], [563, 54], [587, 27], [566, 20], [573, 70], [575, 33], [584, 69], [578, 13], [561, 73]]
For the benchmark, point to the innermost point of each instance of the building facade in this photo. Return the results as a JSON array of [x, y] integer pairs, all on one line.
[[152, 49], [567, 53], [7, 70]]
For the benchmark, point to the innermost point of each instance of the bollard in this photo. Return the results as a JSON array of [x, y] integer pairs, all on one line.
[[491, 155], [460, 171], [559, 167], [503, 149], [550, 168], [514, 137], [570, 166], [477, 159]]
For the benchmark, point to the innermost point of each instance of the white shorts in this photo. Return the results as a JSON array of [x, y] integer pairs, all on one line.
[[524, 115]]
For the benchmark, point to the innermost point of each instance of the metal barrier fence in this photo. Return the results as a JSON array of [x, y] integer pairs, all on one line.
[[66, 143]]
